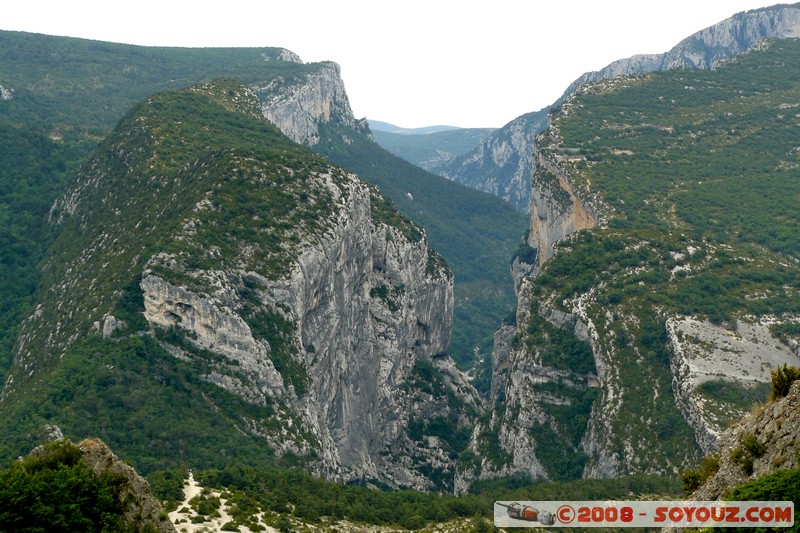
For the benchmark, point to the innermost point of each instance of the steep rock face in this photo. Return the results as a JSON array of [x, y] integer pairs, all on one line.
[[215, 327], [503, 164], [538, 403], [557, 211], [629, 293], [528, 392], [709, 47], [365, 304], [300, 107]]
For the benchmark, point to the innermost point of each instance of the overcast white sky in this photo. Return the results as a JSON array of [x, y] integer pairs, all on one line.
[[412, 62]]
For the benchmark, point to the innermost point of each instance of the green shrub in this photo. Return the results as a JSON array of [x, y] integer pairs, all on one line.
[[693, 478], [753, 446], [782, 379], [526, 254], [55, 490], [783, 485], [745, 460]]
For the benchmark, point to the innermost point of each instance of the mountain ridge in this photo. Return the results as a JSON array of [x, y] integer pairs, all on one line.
[[377, 125], [287, 283], [79, 118], [649, 312]]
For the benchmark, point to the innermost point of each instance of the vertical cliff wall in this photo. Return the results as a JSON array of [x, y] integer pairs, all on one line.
[[365, 305], [556, 210]]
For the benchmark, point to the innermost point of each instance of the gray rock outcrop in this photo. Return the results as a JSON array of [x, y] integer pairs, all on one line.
[[523, 392], [6, 93], [301, 107], [141, 508], [709, 47], [703, 352], [776, 426]]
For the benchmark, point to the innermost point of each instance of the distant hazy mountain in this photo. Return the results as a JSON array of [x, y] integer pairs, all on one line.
[[377, 125], [431, 150]]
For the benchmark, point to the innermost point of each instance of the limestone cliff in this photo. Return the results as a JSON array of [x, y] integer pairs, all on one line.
[[710, 46], [704, 353], [290, 282], [365, 305], [299, 107], [503, 163], [557, 209]]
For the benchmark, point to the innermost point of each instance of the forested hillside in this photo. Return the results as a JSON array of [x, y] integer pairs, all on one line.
[[203, 292], [215, 286], [61, 97], [33, 172]]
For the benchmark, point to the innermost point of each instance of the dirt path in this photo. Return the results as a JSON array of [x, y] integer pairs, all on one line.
[[183, 520]]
